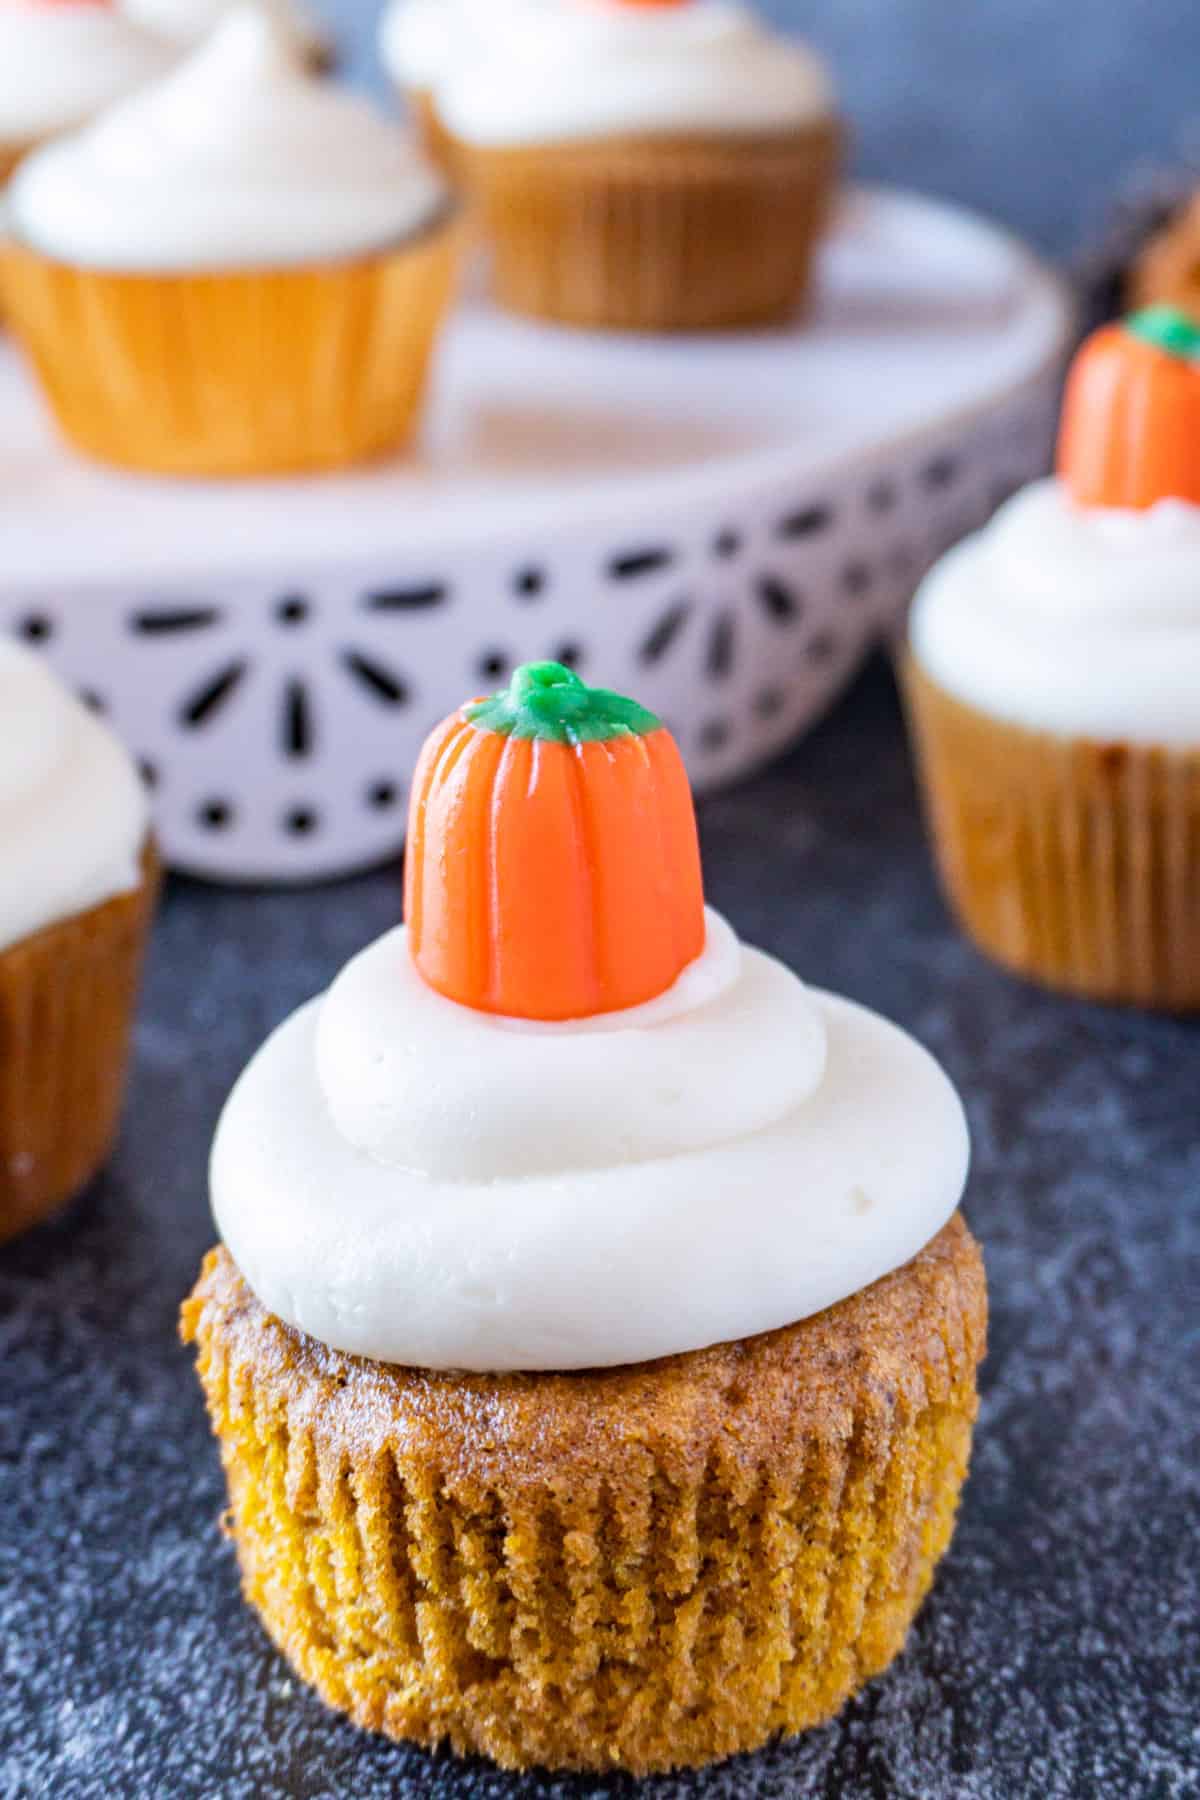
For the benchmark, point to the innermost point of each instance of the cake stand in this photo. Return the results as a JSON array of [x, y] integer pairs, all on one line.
[[722, 526]]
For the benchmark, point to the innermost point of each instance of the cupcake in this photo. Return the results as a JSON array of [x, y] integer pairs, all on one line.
[[61, 62], [185, 23], [662, 167], [239, 271], [593, 1340], [77, 883], [1053, 677]]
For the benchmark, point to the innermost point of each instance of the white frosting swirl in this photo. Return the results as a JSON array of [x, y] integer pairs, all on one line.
[[406, 1179], [240, 158], [73, 815], [187, 22], [61, 64], [1080, 621], [583, 69]]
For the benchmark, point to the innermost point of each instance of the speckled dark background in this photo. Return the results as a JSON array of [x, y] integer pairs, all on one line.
[[1059, 1653]]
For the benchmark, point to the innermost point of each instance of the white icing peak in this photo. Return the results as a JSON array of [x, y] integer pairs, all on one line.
[[73, 816], [1084, 621], [406, 1179], [61, 64], [186, 22], [566, 70], [239, 158]]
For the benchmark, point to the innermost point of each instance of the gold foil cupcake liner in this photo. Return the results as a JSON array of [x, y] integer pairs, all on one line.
[[67, 998], [591, 1571], [248, 373], [648, 234], [1072, 862]]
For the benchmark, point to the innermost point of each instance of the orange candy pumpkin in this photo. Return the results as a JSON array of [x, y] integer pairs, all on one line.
[[1130, 432], [553, 866]]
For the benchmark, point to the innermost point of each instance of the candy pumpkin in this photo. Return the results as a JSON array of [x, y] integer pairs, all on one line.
[[1131, 416], [553, 866]]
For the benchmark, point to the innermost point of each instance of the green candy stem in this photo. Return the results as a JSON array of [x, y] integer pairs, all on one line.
[[549, 703], [1167, 329]]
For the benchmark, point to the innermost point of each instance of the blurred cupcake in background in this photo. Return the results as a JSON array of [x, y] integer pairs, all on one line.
[[186, 23], [1053, 682], [663, 167], [78, 876], [238, 272], [63, 61], [1167, 272]]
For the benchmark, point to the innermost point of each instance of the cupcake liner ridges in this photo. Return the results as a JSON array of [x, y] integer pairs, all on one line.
[[1075, 863], [251, 372], [638, 1568], [656, 234], [67, 999]]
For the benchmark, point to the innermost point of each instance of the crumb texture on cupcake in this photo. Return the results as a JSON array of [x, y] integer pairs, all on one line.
[[645, 1567]]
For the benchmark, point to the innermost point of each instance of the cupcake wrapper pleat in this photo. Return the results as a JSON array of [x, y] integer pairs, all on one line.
[[67, 999], [688, 234], [1073, 862], [253, 372], [679, 1606]]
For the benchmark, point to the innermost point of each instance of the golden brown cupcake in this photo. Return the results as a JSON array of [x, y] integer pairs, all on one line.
[[592, 1392], [657, 168], [1052, 679], [77, 882], [242, 270], [1167, 273]]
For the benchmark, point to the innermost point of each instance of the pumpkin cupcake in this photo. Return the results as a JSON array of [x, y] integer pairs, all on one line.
[[63, 61], [77, 883], [592, 1345], [649, 167], [240, 271], [1053, 683]]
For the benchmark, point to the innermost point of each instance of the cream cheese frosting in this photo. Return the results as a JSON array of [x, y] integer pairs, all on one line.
[[239, 158], [418, 40], [73, 814], [583, 69], [1081, 621], [61, 64], [406, 1179], [186, 22]]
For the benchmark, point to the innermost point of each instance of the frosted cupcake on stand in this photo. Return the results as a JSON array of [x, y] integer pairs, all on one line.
[[269, 223], [592, 1346], [78, 876], [1054, 688], [648, 167], [62, 62]]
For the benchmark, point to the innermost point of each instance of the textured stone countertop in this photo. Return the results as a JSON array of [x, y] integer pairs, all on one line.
[[1060, 1652]]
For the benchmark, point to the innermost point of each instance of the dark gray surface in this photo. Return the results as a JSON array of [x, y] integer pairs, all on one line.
[[1058, 1656], [1028, 109]]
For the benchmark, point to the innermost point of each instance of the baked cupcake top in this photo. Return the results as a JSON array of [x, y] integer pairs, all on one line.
[[563, 1118], [570, 70], [62, 61], [239, 158], [73, 814], [1078, 609]]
